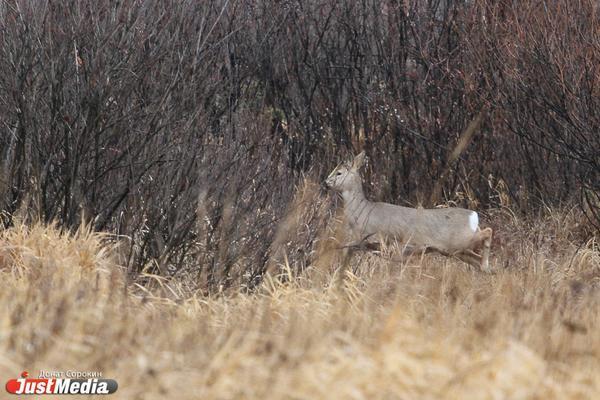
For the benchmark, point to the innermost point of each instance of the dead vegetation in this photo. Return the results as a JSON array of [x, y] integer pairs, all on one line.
[[430, 328]]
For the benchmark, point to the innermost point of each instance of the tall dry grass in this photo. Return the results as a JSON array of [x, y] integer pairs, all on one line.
[[426, 329]]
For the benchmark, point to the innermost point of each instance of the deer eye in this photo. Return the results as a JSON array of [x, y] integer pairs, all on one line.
[[339, 173]]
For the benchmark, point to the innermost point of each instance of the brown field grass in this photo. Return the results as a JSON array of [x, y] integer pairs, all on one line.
[[428, 329]]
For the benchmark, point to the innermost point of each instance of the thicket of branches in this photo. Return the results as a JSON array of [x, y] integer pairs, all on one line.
[[185, 125]]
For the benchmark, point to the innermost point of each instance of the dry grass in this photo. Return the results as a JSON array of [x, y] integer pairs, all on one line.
[[429, 329]]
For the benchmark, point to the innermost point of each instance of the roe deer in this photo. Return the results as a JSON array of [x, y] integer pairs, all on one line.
[[449, 231]]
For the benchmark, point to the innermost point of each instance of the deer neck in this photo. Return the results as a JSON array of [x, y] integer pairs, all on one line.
[[354, 198]]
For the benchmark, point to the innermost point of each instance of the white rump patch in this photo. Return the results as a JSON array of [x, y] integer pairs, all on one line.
[[473, 221]]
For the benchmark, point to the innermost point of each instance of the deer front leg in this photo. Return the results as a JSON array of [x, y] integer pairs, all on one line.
[[348, 248]]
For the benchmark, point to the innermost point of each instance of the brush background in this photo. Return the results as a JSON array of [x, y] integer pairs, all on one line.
[[186, 125]]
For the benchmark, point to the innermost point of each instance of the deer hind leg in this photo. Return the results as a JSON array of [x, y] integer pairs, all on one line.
[[469, 257], [487, 245], [466, 256], [484, 237], [408, 251]]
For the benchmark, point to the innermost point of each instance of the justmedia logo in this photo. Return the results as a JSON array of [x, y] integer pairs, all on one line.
[[62, 383]]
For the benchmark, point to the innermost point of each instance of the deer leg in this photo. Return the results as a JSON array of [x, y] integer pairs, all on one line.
[[482, 239], [408, 251], [487, 244], [466, 258], [470, 258], [350, 248], [347, 253], [362, 245]]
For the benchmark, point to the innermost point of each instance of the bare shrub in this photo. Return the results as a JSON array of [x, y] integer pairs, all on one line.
[[186, 127]]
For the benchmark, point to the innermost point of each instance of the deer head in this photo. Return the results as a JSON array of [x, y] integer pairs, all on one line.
[[346, 176]]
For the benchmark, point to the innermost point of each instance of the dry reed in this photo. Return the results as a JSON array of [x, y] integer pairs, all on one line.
[[428, 329]]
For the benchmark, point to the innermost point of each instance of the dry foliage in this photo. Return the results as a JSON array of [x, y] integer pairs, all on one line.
[[429, 328], [185, 125]]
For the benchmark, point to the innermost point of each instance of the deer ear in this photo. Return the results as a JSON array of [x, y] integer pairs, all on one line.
[[359, 161]]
